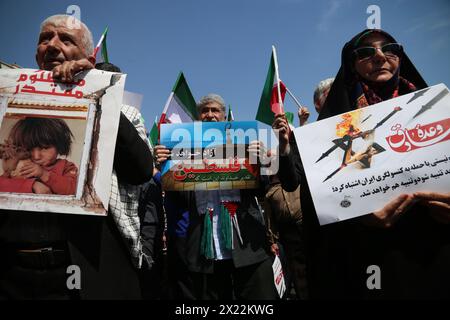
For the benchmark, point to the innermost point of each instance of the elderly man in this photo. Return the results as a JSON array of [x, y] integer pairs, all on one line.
[[243, 272], [321, 93], [37, 248]]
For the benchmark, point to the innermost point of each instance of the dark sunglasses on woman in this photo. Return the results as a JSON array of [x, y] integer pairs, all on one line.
[[390, 50]]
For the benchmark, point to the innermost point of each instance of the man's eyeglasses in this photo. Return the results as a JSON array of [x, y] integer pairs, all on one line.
[[390, 50]]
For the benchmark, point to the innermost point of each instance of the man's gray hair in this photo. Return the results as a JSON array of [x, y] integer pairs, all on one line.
[[209, 98], [61, 20], [321, 87]]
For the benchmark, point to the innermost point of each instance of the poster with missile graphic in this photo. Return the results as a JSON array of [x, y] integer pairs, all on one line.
[[356, 162]]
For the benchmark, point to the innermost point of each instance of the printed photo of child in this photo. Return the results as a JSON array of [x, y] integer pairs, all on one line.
[[31, 158]]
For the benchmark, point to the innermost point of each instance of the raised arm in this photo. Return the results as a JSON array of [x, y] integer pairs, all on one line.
[[289, 171]]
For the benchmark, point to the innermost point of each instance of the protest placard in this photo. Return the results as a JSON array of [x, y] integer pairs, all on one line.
[[209, 156], [357, 162], [65, 133]]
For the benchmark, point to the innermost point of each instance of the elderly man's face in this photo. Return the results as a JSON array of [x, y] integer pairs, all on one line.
[[212, 112], [57, 45]]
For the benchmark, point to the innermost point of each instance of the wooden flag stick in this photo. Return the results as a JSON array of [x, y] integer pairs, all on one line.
[[293, 97], [277, 77]]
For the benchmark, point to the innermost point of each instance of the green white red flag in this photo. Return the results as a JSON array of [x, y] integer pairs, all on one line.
[[230, 116], [102, 43], [180, 106], [154, 133], [273, 94]]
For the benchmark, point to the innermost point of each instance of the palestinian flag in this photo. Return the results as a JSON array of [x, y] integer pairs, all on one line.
[[230, 116], [269, 104], [154, 133], [181, 106], [102, 42]]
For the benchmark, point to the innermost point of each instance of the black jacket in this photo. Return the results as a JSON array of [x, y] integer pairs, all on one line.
[[251, 224], [94, 243]]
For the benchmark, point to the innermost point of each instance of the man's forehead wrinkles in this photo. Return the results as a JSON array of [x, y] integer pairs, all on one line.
[[59, 29], [58, 32]]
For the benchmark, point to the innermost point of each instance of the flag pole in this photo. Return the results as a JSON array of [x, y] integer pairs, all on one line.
[[277, 77], [166, 107], [293, 97]]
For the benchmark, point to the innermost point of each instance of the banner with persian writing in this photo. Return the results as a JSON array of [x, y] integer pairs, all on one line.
[[57, 140], [356, 162], [209, 156]]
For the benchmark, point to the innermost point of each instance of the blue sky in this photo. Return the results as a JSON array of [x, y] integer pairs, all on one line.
[[224, 46]]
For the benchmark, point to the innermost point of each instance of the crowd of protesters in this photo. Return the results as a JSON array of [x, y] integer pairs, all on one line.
[[175, 245]]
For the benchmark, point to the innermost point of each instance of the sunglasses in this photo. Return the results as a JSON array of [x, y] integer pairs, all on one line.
[[390, 50]]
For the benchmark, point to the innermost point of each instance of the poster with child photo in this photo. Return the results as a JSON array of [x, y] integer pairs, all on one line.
[[56, 145]]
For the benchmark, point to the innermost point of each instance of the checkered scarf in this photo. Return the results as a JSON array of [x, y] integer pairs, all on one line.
[[124, 200]]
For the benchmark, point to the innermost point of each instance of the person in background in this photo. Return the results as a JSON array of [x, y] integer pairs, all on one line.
[[321, 93], [151, 216], [149, 208], [284, 219], [303, 115]]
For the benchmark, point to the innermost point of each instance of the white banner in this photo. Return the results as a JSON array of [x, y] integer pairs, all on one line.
[[357, 162], [77, 122]]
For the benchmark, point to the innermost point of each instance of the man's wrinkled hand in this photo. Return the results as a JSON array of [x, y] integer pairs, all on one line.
[[161, 154], [303, 115], [257, 152], [66, 71]]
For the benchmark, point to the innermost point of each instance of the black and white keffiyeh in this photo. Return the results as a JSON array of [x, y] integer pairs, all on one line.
[[124, 200]]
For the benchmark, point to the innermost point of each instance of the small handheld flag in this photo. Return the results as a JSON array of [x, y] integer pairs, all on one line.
[[180, 106], [272, 97], [230, 116], [102, 42]]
